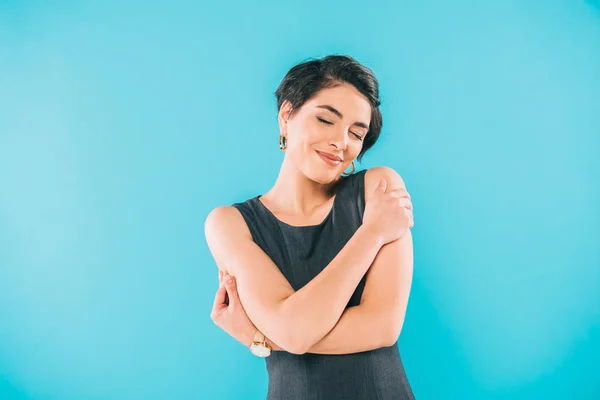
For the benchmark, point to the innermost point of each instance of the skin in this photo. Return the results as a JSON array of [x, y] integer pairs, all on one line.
[[303, 195], [304, 190]]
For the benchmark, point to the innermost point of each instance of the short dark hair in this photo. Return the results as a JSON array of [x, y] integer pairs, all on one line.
[[305, 80]]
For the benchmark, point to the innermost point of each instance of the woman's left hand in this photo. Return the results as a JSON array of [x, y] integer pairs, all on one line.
[[230, 315]]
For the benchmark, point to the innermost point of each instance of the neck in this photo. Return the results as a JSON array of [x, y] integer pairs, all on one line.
[[295, 193]]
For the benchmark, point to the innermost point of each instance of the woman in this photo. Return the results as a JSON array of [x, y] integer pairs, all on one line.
[[322, 262]]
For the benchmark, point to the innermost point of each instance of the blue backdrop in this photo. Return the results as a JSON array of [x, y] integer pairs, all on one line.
[[123, 123]]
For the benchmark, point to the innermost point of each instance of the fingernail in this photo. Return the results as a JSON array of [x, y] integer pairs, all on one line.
[[229, 279]]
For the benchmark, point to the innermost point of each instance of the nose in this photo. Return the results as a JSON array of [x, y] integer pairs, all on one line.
[[339, 140]]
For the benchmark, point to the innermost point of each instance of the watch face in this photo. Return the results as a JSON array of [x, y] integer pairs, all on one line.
[[260, 351]]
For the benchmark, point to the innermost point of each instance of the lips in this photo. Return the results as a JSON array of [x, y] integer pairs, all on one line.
[[330, 159], [330, 156]]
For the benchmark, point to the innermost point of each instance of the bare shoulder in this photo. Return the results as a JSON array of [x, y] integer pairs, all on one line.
[[225, 222], [375, 174]]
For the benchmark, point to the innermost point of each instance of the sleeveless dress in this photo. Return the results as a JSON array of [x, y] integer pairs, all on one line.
[[301, 253]]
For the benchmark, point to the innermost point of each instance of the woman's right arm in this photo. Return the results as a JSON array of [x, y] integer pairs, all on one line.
[[293, 320]]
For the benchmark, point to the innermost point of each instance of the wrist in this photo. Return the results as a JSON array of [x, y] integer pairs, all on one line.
[[372, 234], [249, 336], [259, 346]]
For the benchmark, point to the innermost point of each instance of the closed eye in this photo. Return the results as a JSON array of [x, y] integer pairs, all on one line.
[[359, 137]]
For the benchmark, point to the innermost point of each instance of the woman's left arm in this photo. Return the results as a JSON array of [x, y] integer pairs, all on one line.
[[378, 320]]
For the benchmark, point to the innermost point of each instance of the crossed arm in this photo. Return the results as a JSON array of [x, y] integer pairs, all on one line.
[[377, 321], [293, 321]]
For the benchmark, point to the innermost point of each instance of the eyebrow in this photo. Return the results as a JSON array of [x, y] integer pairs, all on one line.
[[339, 114]]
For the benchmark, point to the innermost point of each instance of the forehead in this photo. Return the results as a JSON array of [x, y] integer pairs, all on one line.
[[346, 99]]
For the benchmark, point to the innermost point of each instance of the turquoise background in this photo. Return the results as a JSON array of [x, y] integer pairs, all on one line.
[[122, 124]]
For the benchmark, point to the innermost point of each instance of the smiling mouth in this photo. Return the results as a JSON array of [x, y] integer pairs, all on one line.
[[329, 160]]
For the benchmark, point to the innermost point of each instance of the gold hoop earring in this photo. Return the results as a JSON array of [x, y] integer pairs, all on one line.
[[282, 142], [351, 172]]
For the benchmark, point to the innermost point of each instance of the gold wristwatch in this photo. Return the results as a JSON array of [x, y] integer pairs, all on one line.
[[259, 346]]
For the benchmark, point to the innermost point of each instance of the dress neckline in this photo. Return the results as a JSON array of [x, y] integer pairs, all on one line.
[[329, 214]]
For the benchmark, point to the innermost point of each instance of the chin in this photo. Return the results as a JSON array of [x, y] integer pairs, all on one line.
[[322, 175]]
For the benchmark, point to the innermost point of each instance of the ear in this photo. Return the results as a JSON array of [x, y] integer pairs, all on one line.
[[282, 117]]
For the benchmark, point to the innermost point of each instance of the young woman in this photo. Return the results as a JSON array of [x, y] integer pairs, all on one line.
[[323, 261]]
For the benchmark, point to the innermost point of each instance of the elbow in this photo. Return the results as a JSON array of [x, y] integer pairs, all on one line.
[[391, 329], [292, 339], [390, 339], [294, 345], [298, 343], [297, 349], [298, 337]]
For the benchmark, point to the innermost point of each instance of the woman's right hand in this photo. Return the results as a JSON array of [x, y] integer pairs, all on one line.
[[228, 313], [388, 214]]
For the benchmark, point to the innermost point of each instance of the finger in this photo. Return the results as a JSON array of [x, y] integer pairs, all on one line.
[[220, 296], [219, 302], [401, 192], [411, 220], [223, 280], [224, 274], [406, 203], [382, 186], [220, 277], [232, 290]]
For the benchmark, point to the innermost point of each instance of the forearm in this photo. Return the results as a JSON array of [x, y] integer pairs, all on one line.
[[304, 313], [359, 329]]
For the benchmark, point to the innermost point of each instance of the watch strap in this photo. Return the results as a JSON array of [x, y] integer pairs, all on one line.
[[258, 337]]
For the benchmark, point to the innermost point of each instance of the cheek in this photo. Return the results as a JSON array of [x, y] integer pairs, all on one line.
[[312, 130], [306, 135], [354, 149]]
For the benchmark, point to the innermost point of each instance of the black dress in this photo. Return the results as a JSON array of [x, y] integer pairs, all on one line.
[[301, 253]]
